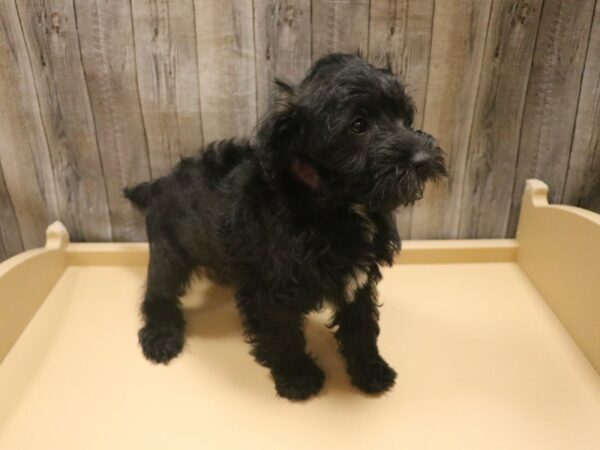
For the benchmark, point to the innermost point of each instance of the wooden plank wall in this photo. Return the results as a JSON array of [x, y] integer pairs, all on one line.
[[98, 94]]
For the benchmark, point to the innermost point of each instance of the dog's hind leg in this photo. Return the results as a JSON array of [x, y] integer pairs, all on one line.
[[162, 336], [277, 337]]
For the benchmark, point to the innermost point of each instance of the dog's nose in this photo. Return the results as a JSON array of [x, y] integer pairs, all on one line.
[[419, 160]]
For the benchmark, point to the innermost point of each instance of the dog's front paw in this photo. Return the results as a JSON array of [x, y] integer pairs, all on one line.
[[299, 383], [372, 376], [161, 343]]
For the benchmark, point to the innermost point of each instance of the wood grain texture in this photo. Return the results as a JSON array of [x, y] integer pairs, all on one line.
[[400, 31], [340, 26], [3, 252], [283, 45], [493, 147], [582, 187], [53, 47], [24, 154], [11, 242], [552, 97], [107, 50], [225, 44], [100, 94], [459, 32], [167, 71]]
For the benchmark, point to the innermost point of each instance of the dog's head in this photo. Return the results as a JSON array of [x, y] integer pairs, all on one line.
[[345, 134]]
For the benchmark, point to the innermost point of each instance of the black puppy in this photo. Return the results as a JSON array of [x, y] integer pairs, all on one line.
[[300, 216]]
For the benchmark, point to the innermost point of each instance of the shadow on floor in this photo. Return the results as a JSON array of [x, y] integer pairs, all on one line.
[[211, 314]]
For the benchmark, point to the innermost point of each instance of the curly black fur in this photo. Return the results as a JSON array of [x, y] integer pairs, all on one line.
[[299, 216]]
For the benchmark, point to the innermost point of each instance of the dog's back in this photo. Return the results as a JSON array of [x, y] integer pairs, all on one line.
[[211, 166], [187, 206]]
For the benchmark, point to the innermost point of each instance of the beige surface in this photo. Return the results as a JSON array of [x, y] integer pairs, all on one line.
[[20, 297], [482, 363], [559, 250], [482, 360]]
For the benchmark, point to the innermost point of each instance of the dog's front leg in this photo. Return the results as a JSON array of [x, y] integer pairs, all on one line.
[[276, 333], [162, 336], [357, 334]]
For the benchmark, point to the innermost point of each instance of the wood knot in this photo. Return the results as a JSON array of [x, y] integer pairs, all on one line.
[[55, 22], [289, 15], [520, 13]]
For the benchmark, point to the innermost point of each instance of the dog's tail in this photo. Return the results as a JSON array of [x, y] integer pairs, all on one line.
[[140, 195]]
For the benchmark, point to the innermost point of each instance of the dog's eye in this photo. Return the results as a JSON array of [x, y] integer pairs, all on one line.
[[359, 126]]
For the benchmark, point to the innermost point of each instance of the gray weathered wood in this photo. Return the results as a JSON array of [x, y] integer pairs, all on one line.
[[552, 97], [225, 44], [490, 171], [283, 45], [459, 31], [24, 155], [582, 187], [340, 26], [100, 94], [107, 50], [400, 31], [4, 254], [53, 47], [167, 71], [11, 242]]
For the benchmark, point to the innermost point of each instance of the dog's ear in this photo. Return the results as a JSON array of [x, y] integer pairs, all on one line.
[[285, 93], [283, 134]]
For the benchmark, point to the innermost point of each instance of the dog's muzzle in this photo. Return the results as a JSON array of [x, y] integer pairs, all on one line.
[[403, 169]]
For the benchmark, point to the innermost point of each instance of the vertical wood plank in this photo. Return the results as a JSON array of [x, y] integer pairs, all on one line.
[[552, 97], [582, 187], [11, 242], [487, 189], [339, 26], [107, 50], [459, 32], [283, 44], [24, 154], [167, 70], [53, 47], [401, 31], [3, 252], [225, 45]]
